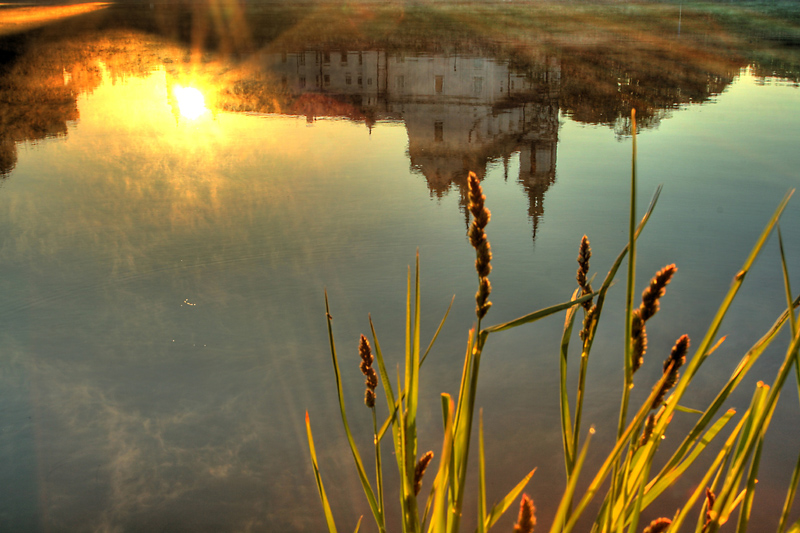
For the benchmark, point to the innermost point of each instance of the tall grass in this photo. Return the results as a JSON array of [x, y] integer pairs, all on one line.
[[624, 482]]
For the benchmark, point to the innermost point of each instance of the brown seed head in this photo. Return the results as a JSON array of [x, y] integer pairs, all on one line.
[[482, 305], [477, 237], [588, 321], [527, 517], [369, 398], [639, 336], [371, 381], [659, 525], [584, 254], [649, 426], [671, 365], [419, 471], [656, 290]]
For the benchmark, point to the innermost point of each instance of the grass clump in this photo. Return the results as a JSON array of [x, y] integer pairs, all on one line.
[[726, 487]]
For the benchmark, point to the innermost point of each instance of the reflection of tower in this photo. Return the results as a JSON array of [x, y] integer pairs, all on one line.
[[537, 171]]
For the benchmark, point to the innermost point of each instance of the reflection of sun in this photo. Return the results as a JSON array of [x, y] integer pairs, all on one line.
[[190, 101]]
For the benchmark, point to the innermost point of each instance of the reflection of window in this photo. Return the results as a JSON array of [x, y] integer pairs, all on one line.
[[360, 58], [302, 59], [360, 81], [316, 81], [326, 58], [439, 84], [438, 131], [511, 87], [400, 82], [348, 79], [327, 79], [369, 81], [302, 82], [344, 57], [477, 85]]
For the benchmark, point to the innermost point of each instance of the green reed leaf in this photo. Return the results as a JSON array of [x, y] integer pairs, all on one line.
[[537, 315], [502, 506], [326, 506], [562, 514], [435, 335], [566, 423], [362, 475], [715, 467], [481, 477], [665, 479], [790, 494]]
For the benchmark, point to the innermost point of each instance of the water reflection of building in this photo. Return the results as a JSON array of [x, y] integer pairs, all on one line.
[[461, 112]]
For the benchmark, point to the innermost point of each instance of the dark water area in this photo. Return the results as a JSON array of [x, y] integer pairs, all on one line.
[[180, 182]]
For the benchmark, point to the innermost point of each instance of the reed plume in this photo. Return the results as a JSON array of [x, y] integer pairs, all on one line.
[[649, 426], [477, 237], [527, 518], [366, 368], [649, 307], [419, 471], [584, 254], [671, 365], [589, 317], [659, 525]]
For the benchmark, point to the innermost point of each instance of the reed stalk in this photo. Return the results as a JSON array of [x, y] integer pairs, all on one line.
[[625, 474]]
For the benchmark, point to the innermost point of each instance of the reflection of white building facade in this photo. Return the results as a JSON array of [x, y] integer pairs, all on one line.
[[461, 111]]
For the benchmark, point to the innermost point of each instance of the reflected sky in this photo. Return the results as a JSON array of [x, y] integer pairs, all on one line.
[[163, 257]]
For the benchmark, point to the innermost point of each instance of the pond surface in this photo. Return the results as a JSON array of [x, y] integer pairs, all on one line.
[[180, 185]]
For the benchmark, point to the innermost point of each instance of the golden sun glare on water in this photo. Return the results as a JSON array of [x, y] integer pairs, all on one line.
[[191, 103]]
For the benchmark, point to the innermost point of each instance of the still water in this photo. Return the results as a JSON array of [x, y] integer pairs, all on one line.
[[173, 206]]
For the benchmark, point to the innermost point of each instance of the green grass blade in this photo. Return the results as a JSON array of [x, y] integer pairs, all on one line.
[[637, 502], [537, 315], [326, 506], [481, 477], [463, 434], [385, 381], [700, 353], [362, 475], [500, 507], [563, 507], [566, 423], [711, 333], [358, 524], [664, 480], [757, 421], [441, 482], [747, 504], [790, 494], [612, 458], [738, 374], [630, 286], [446, 401], [716, 465], [435, 335], [784, 268]]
